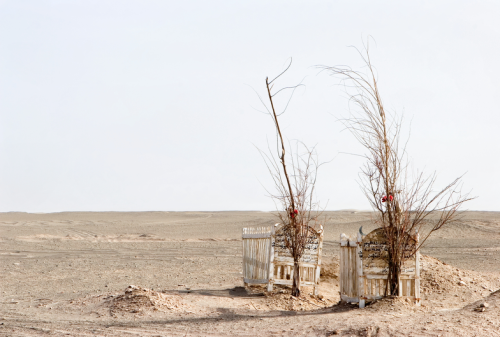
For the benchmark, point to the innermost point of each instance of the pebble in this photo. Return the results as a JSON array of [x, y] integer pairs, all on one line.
[[461, 283]]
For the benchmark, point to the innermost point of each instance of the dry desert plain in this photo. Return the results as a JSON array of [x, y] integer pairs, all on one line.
[[69, 274]]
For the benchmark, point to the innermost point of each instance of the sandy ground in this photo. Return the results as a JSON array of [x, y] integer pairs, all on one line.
[[69, 274]]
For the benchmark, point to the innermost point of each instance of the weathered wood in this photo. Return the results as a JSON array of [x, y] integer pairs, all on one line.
[[417, 274], [341, 268], [256, 254], [359, 266], [348, 267], [318, 266], [256, 236], [375, 254], [363, 269], [373, 297], [255, 281], [349, 299], [266, 259], [384, 276], [309, 264], [271, 264]]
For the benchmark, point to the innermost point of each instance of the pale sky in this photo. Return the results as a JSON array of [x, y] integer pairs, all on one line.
[[152, 105]]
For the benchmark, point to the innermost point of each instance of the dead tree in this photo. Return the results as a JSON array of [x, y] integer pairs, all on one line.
[[294, 177], [405, 205]]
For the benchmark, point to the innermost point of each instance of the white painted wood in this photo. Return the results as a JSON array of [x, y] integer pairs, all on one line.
[[262, 264], [349, 299], [317, 270], [270, 273], [256, 253], [373, 297], [384, 276], [341, 268], [359, 266], [309, 266], [355, 282], [417, 274], [256, 236], [255, 281]]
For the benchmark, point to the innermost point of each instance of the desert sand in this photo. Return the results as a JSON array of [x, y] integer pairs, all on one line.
[[179, 274]]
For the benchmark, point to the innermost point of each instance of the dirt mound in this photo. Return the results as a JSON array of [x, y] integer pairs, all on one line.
[[392, 305], [439, 277], [137, 300], [489, 303], [281, 299], [444, 284]]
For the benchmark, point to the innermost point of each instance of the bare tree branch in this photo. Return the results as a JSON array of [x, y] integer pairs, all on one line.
[[294, 177], [405, 206]]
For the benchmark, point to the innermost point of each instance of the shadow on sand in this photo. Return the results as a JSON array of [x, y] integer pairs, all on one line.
[[236, 292]]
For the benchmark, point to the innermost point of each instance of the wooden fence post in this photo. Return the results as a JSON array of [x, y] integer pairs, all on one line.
[[271, 260], [317, 272], [417, 273], [341, 268], [244, 257], [359, 266]]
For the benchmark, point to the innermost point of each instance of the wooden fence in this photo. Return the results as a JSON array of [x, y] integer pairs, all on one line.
[[360, 279], [267, 260], [258, 252]]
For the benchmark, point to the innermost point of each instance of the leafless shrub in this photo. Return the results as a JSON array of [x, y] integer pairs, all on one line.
[[405, 205], [294, 188]]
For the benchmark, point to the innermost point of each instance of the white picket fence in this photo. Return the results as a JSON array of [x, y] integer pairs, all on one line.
[[267, 261], [358, 285]]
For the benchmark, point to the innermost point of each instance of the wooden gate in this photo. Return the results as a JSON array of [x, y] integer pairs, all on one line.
[[267, 260], [363, 270], [349, 269], [257, 255]]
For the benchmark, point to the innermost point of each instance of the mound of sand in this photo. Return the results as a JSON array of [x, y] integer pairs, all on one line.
[[489, 303], [281, 299], [438, 277], [137, 300], [443, 285]]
